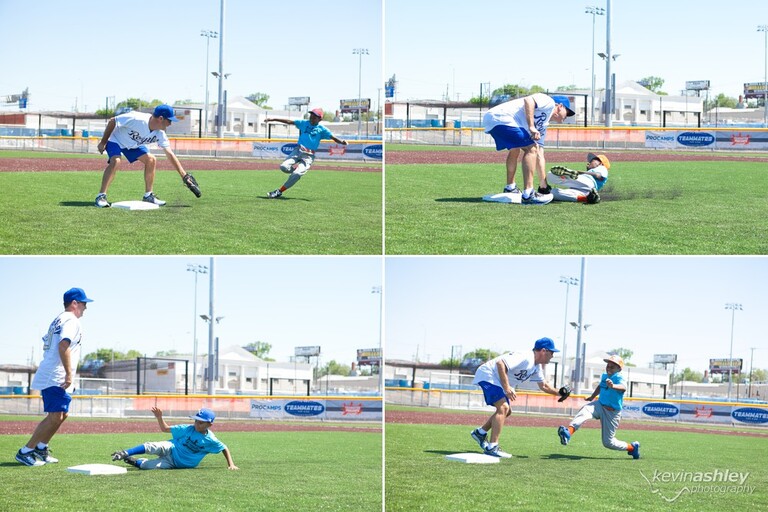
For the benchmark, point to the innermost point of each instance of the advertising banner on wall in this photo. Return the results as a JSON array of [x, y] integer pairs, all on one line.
[[323, 409], [696, 413], [326, 151], [726, 139]]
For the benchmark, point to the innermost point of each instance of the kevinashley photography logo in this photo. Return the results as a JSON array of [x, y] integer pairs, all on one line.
[[693, 482]]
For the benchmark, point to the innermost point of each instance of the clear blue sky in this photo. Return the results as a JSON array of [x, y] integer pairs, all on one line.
[[147, 303], [650, 305], [459, 44], [86, 50]]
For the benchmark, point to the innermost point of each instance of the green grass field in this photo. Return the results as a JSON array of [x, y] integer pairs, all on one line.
[[328, 212], [647, 208], [286, 471], [544, 475]]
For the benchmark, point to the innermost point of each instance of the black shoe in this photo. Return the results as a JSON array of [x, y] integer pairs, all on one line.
[[593, 197], [545, 190], [121, 455]]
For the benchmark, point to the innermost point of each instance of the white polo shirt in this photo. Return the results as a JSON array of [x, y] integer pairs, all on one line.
[[520, 368], [132, 130], [51, 371]]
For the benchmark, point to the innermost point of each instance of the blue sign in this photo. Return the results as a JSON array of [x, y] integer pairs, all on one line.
[[301, 408], [374, 151], [750, 415], [389, 91], [288, 148], [661, 410], [696, 139]]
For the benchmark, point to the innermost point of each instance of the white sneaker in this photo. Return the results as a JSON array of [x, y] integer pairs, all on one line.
[[152, 198], [101, 201], [496, 452], [512, 189], [537, 198], [45, 456]]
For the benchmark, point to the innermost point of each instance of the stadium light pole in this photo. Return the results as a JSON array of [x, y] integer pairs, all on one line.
[[211, 337], [751, 360], [220, 106], [197, 269], [733, 307], [578, 374], [764, 29], [568, 281], [208, 35], [594, 11], [378, 289], [360, 52], [608, 91]]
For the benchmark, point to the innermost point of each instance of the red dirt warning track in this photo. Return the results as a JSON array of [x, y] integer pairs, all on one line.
[[150, 426], [491, 156], [190, 164], [444, 417]]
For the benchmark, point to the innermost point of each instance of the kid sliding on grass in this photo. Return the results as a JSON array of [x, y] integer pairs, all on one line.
[[607, 409], [190, 443]]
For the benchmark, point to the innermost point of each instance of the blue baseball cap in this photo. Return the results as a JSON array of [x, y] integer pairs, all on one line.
[[165, 111], [206, 415], [75, 294], [564, 101], [545, 343]]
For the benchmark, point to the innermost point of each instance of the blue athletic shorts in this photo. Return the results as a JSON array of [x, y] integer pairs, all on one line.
[[510, 137], [114, 149], [492, 392], [56, 399]]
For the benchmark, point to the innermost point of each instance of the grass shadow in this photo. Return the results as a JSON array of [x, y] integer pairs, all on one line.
[[76, 203], [560, 456], [459, 200]]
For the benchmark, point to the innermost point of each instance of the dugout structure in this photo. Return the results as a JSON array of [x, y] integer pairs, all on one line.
[[162, 375]]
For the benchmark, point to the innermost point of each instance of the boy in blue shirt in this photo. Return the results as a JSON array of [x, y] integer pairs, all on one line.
[[300, 160], [607, 409], [188, 446]]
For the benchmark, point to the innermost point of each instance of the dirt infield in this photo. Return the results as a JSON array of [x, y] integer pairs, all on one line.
[[190, 164], [444, 417], [150, 426], [493, 157]]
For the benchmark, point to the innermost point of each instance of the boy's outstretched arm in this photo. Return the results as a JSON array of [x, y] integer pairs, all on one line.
[[230, 462], [160, 421]]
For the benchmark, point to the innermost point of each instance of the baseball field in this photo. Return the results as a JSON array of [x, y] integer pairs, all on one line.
[[655, 202], [680, 468], [287, 466], [47, 208]]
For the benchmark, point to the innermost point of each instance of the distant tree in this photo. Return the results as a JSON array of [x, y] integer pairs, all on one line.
[[332, 368], [652, 83], [105, 112], [623, 353], [571, 87], [688, 375], [184, 102], [137, 103], [166, 353], [259, 98], [721, 101], [455, 362], [260, 349], [759, 375], [481, 353], [108, 354]]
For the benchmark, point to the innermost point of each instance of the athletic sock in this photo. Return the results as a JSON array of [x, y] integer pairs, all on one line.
[[26, 450], [481, 431], [283, 188], [147, 194], [492, 445], [571, 430], [136, 450], [528, 193], [42, 446]]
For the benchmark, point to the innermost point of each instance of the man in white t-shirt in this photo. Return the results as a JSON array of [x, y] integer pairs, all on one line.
[[129, 134], [521, 125], [55, 376], [498, 379]]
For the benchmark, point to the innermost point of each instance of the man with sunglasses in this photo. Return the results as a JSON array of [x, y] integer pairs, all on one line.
[[55, 377], [128, 134], [498, 379]]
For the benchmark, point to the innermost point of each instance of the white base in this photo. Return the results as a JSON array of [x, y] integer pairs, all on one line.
[[97, 469], [504, 197], [473, 458], [135, 205]]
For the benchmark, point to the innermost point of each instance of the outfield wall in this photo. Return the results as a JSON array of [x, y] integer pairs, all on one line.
[[362, 150], [688, 411], [319, 408], [596, 138]]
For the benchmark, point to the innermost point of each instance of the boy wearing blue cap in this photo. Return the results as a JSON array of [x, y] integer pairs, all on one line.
[[187, 447], [498, 379], [129, 134], [521, 124], [55, 376]]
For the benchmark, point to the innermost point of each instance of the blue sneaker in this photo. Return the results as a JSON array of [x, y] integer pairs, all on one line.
[[536, 198], [635, 453], [496, 452], [565, 435], [480, 438], [45, 456], [29, 459]]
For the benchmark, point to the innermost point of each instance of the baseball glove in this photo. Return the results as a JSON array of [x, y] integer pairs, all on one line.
[[565, 392], [564, 172], [191, 184]]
